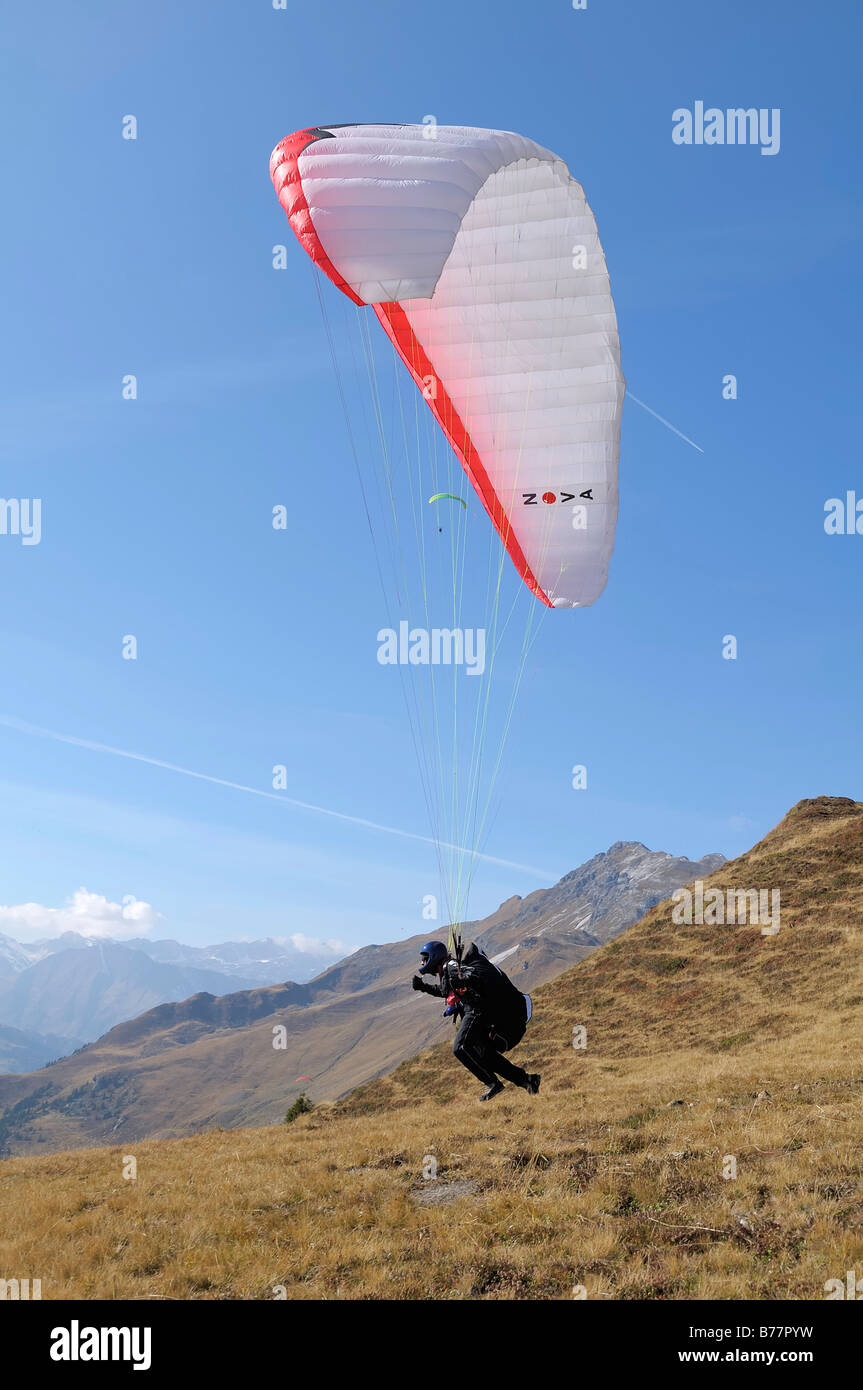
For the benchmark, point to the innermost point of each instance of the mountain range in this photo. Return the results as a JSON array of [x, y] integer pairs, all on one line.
[[240, 1058], [65, 991]]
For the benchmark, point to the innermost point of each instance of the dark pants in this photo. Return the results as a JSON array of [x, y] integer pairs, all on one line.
[[474, 1050]]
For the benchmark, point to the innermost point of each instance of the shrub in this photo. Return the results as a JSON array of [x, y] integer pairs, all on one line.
[[301, 1106]]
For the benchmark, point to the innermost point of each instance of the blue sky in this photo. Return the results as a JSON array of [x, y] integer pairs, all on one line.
[[257, 647]]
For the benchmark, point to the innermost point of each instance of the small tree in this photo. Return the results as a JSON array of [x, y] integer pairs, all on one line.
[[301, 1106]]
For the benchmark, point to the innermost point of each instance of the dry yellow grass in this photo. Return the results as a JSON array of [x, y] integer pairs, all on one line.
[[703, 1043]]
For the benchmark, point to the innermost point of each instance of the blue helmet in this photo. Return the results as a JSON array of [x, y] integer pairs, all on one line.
[[433, 955]]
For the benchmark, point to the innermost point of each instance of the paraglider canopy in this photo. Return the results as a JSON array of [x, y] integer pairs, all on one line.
[[439, 497], [480, 256]]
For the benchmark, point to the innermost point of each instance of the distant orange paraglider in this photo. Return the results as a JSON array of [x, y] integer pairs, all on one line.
[[302, 1078]]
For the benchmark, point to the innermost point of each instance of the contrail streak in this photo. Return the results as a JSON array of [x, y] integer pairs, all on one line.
[[667, 423], [21, 727]]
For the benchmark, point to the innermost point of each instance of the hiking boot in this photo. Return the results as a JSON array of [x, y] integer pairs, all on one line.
[[532, 1084], [493, 1090]]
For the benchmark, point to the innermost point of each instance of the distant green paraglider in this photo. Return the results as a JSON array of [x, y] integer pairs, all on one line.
[[439, 497]]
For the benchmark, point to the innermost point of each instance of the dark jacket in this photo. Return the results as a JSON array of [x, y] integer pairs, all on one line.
[[488, 991]]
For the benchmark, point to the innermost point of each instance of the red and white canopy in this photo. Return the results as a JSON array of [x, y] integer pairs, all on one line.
[[480, 256]]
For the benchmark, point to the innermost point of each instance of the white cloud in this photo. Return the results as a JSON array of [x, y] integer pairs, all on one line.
[[312, 945], [90, 914]]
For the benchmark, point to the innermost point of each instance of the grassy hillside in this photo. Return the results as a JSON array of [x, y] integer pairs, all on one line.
[[703, 1043]]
